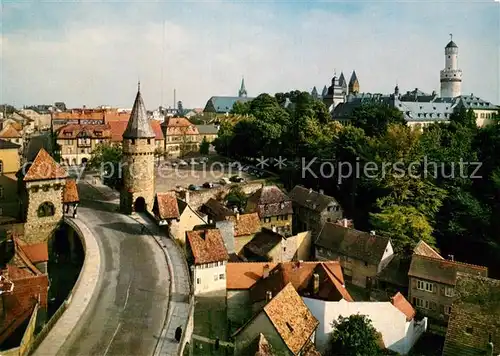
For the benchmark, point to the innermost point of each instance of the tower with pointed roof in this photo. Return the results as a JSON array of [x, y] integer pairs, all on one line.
[[336, 93], [353, 83], [314, 93], [451, 76], [242, 93], [137, 193], [343, 83]]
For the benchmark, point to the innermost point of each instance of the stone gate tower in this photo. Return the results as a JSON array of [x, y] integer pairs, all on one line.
[[451, 76], [138, 171]]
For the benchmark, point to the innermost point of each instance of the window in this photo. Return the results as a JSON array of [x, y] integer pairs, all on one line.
[[149, 141], [449, 291], [267, 220], [46, 209], [216, 277], [422, 303], [198, 281], [133, 141], [426, 286], [221, 276], [447, 309]]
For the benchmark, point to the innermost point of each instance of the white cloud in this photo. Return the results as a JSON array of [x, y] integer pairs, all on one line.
[[97, 57]]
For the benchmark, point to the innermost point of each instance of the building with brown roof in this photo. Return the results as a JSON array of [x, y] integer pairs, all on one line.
[[215, 210], [181, 136], [474, 323], [274, 208], [432, 284], [311, 210], [362, 254], [9, 133], [245, 228], [118, 128], [70, 196], [286, 323], [78, 141], [9, 165], [208, 256]]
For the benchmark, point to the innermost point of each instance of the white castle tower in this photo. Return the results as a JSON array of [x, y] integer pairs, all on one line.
[[451, 76]]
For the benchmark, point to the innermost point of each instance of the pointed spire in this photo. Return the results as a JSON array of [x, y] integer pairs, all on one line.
[[138, 124], [354, 78], [342, 81], [325, 91], [243, 91], [314, 93]]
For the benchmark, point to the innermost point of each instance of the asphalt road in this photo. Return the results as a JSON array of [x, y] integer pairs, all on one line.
[[128, 309]]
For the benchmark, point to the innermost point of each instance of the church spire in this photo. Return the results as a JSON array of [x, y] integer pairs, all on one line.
[[138, 124], [243, 92]]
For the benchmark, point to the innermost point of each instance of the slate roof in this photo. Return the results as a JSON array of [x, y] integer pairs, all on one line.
[[291, 318], [475, 103], [301, 276], [311, 199], [223, 104], [166, 206], [207, 246], [270, 201], [451, 44], [9, 132], [44, 168], [353, 243], [216, 210], [262, 243], [396, 271], [207, 129], [138, 123], [477, 305], [226, 229], [354, 78], [400, 302], [245, 224], [425, 250], [5, 145], [441, 270], [70, 192]]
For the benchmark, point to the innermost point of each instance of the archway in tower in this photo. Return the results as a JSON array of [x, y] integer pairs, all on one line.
[[140, 205]]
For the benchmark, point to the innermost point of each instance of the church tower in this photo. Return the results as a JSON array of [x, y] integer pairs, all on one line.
[[451, 76], [353, 84], [242, 93], [138, 189]]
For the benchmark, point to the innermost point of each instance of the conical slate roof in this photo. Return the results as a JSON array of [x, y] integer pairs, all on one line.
[[314, 92], [342, 82], [451, 44], [354, 78], [325, 91], [138, 124]]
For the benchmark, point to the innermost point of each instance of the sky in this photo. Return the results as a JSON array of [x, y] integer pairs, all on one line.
[[94, 53]]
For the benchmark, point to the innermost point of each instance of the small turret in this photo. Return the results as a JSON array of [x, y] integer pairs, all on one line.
[[242, 93], [314, 93], [354, 83]]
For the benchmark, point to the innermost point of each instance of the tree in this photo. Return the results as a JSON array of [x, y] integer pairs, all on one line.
[[225, 135], [236, 197], [354, 336], [374, 118], [204, 146], [107, 157], [241, 108]]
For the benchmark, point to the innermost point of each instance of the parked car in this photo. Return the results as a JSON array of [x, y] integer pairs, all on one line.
[[208, 185], [193, 187], [224, 181], [236, 179]]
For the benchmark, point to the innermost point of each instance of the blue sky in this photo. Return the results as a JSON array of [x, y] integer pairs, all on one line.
[[92, 53]]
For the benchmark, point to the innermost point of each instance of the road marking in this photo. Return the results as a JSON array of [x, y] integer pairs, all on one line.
[[111, 341], [128, 293]]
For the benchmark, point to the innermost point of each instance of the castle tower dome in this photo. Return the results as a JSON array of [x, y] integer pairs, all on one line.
[[138, 189], [451, 75]]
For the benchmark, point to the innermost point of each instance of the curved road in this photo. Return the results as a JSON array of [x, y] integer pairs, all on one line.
[[128, 309]]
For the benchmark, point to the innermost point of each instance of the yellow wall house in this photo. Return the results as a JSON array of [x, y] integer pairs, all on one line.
[[181, 136], [9, 133], [9, 165], [78, 141]]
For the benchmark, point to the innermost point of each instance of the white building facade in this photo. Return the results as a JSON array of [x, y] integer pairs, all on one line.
[[451, 76], [209, 277]]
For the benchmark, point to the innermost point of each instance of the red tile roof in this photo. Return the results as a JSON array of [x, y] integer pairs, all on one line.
[[70, 192], [44, 167], [207, 246], [245, 224], [180, 126], [36, 252], [243, 275], [73, 131], [165, 206], [425, 250], [9, 132], [118, 128], [400, 302]]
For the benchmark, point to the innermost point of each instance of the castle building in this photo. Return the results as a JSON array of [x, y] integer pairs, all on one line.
[[338, 91], [451, 76], [224, 104], [137, 193]]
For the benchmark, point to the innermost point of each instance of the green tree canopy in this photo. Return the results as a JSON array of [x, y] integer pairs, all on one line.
[[204, 146], [375, 117]]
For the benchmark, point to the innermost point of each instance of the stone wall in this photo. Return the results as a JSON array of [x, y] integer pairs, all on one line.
[[197, 198], [138, 173], [40, 229]]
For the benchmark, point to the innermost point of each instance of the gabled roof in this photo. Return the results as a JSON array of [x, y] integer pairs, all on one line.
[[271, 201], [353, 243], [310, 199], [223, 104], [291, 318], [477, 305], [9, 132], [138, 124], [475, 103], [118, 128], [441, 270], [301, 276], [423, 249], [44, 168], [176, 126], [243, 275], [400, 302], [73, 131], [262, 243], [36, 252], [216, 210], [207, 246], [207, 129], [166, 206], [70, 192], [245, 224], [5, 145]]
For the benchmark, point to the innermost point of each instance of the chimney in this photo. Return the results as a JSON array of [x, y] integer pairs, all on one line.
[[265, 274], [321, 191], [372, 233], [451, 257], [269, 296], [315, 283]]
